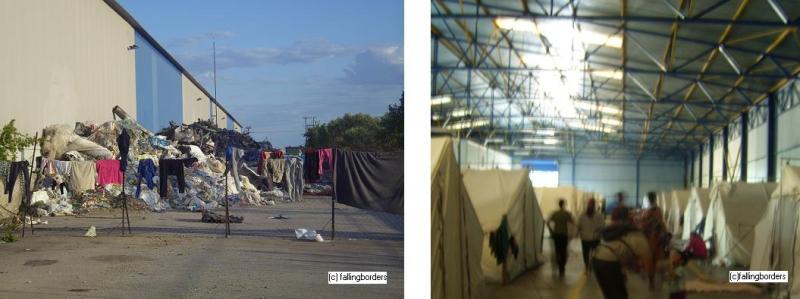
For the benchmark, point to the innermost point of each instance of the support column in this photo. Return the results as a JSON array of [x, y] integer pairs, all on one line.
[[700, 167], [691, 169], [638, 160], [710, 160], [685, 169], [573, 172], [725, 154], [772, 140], [743, 147]]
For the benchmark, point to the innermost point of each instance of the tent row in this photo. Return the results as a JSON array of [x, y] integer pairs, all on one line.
[[466, 208], [755, 225]]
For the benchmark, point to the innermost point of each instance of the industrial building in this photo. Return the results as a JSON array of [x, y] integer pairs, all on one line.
[[70, 61], [626, 96]]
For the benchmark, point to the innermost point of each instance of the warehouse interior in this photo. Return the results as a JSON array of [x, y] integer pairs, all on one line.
[[692, 101]]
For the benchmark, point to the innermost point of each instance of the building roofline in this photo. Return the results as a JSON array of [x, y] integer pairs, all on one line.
[[139, 29]]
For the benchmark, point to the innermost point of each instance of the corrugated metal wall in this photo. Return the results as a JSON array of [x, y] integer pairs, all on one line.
[[608, 176], [194, 109], [64, 61], [159, 98]]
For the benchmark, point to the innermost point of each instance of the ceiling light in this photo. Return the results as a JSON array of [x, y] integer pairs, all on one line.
[[613, 74], [611, 122], [592, 106], [441, 100], [495, 140], [542, 132], [460, 112], [508, 23], [595, 38], [551, 141], [508, 147], [522, 153], [436, 117], [468, 124]]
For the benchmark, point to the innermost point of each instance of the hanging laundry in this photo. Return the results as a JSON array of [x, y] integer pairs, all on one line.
[[83, 176], [325, 160], [63, 168], [5, 167], [294, 178], [277, 166], [124, 143], [108, 172], [263, 161], [277, 154], [147, 170], [16, 169], [311, 166], [167, 167], [48, 166], [233, 163]]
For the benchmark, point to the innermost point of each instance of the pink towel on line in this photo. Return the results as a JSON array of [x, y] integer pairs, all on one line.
[[325, 155], [108, 172]]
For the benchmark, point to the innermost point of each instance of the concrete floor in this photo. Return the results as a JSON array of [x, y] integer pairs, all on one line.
[[543, 282], [175, 255]]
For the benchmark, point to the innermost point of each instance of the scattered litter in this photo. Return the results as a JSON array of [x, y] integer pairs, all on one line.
[[306, 234], [280, 216], [319, 238], [212, 217], [92, 232]]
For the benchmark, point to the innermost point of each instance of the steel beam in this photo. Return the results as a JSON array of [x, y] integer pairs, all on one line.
[[743, 148], [626, 19], [772, 137]]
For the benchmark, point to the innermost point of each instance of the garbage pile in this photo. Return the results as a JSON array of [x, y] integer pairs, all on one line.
[[205, 178]]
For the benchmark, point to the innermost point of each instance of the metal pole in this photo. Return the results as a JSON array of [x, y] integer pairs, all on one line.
[[227, 203], [28, 193]]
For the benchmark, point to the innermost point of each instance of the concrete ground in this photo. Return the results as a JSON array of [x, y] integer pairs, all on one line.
[[543, 282], [174, 255]]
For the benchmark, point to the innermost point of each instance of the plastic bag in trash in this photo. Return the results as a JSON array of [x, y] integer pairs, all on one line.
[[306, 234], [92, 232]]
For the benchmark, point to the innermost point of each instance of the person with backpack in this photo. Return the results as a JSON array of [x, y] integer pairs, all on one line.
[[559, 231], [621, 246]]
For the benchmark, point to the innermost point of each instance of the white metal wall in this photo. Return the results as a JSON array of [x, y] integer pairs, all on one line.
[[757, 154], [64, 61], [734, 158], [471, 154], [718, 158], [706, 166], [194, 109], [788, 138]]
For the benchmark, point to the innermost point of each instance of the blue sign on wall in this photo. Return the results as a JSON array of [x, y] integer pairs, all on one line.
[[159, 97]]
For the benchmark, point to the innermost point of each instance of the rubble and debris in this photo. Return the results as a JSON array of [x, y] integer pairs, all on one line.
[[317, 189], [212, 217], [308, 234], [92, 232]]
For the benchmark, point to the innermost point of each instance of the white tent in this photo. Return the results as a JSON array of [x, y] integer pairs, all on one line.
[[548, 199], [731, 218], [675, 203], [498, 193], [456, 234], [695, 210], [775, 246], [662, 200]]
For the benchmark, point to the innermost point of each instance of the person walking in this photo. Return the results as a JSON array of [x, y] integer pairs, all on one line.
[[622, 246], [589, 226], [559, 231], [653, 226]]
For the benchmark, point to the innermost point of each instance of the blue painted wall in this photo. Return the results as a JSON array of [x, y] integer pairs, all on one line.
[[159, 96], [230, 122]]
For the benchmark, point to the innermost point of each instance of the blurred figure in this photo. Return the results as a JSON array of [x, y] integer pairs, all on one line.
[[620, 211], [652, 224], [559, 230], [622, 245], [589, 227]]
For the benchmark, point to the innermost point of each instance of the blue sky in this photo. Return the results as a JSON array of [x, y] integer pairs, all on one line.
[[278, 61]]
